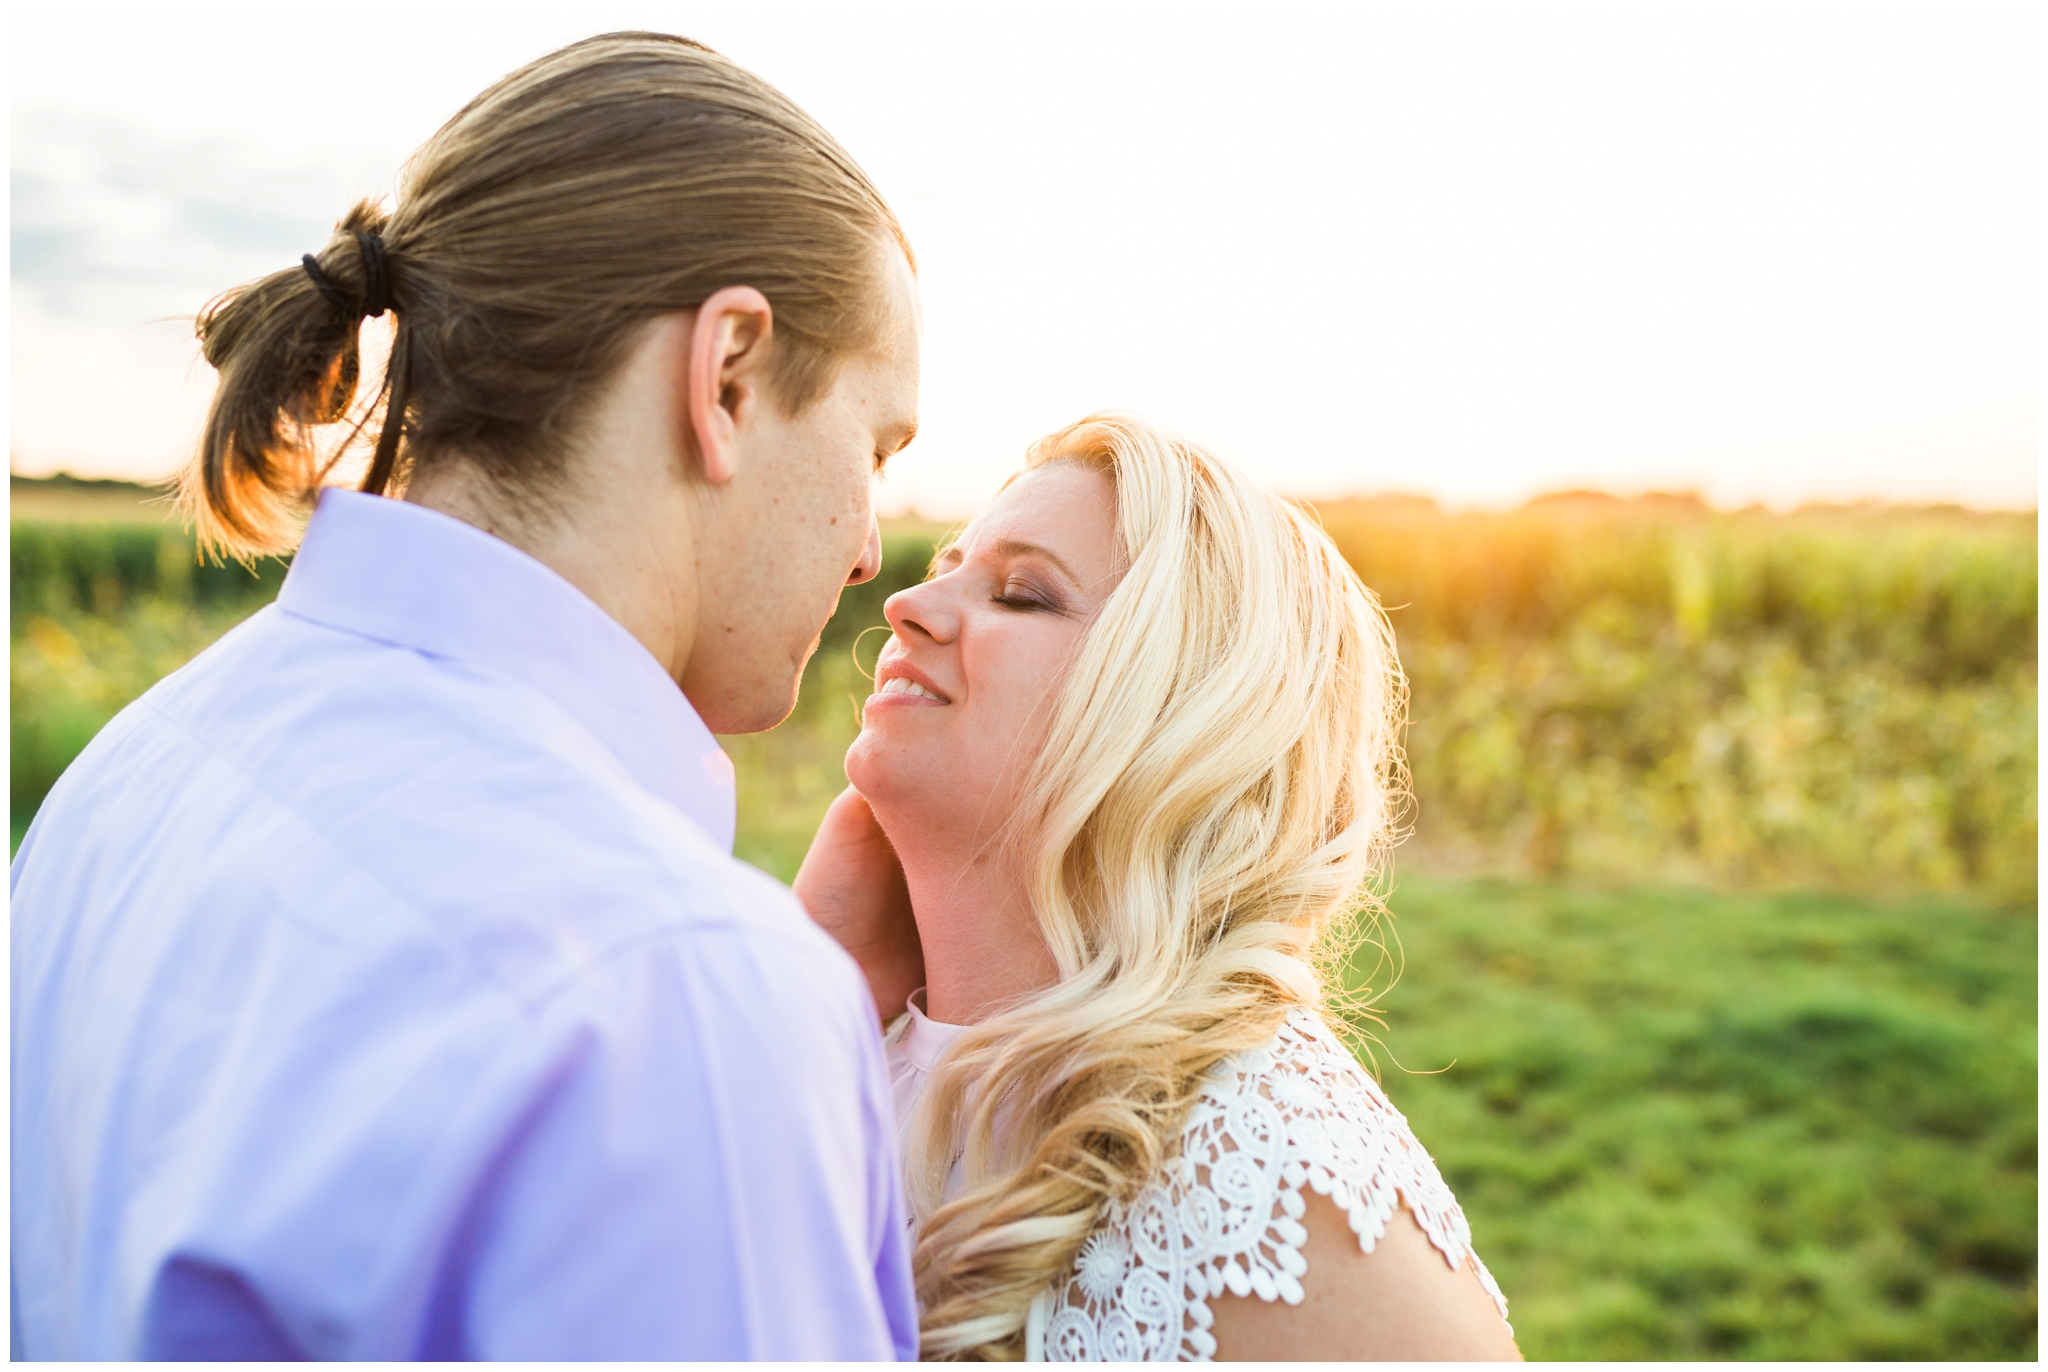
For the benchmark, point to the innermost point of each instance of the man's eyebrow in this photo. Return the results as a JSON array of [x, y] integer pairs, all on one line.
[[884, 450], [909, 432]]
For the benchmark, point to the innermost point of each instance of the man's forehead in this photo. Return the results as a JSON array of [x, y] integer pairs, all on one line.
[[893, 386], [886, 399]]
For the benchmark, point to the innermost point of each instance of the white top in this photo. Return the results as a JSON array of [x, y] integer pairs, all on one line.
[[1225, 1214], [915, 1042], [384, 987]]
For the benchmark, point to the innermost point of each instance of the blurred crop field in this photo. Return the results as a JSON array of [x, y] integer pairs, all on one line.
[[1715, 934]]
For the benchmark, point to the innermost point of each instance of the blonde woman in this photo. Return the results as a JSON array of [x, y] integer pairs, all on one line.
[[1132, 755]]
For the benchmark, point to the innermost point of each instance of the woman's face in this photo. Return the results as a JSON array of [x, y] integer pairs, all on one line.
[[965, 686]]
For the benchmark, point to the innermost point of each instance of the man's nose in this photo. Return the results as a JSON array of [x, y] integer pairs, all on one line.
[[870, 564]]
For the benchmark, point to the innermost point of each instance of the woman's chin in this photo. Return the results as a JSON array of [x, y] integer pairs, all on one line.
[[891, 776], [862, 766]]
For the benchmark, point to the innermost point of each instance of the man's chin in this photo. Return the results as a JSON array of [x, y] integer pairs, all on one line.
[[754, 714]]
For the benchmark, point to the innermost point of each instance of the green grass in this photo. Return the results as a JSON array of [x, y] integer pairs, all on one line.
[[1697, 1125]]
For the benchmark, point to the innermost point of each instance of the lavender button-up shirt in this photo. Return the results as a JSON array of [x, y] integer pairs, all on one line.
[[384, 987]]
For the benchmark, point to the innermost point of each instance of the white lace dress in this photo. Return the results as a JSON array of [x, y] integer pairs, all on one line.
[[1226, 1213]]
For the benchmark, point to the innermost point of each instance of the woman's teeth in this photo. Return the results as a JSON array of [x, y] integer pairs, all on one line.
[[904, 686]]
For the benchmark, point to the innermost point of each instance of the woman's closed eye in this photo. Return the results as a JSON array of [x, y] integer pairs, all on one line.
[[1017, 595]]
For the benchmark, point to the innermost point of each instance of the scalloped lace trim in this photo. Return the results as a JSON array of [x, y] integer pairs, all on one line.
[[1226, 1214]]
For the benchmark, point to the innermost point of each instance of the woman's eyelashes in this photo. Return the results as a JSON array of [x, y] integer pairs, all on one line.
[[1020, 602], [1018, 595]]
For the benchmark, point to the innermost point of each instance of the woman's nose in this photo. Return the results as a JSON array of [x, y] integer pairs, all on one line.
[[924, 610]]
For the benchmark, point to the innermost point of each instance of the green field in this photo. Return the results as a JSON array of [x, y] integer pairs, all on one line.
[[1718, 914], [1699, 1125]]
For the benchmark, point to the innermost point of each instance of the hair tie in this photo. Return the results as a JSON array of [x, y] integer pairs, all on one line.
[[376, 274], [376, 278], [326, 287]]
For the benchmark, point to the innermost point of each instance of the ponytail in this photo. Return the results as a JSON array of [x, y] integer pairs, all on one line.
[[288, 354]]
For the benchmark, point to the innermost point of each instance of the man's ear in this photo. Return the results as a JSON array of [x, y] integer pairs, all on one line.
[[727, 370]]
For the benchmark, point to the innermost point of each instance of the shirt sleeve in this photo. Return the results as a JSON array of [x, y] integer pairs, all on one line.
[[706, 1169]]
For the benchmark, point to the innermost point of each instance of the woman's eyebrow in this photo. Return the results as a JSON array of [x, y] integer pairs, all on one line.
[[1010, 547]]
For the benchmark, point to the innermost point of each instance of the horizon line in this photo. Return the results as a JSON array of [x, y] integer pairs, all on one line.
[[1672, 501]]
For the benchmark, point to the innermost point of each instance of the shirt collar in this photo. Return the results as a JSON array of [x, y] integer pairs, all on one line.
[[924, 1038], [406, 575]]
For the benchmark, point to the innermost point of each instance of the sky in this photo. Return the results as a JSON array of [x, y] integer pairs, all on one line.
[[1767, 252]]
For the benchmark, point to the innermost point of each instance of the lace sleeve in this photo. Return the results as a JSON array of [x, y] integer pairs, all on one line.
[[1226, 1214]]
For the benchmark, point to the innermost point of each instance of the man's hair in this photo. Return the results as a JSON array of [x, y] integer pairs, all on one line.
[[618, 179]]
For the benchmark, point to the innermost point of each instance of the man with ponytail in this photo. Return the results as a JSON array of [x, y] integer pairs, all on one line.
[[383, 983]]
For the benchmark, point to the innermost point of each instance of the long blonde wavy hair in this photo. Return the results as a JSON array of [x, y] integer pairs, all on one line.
[[1221, 775]]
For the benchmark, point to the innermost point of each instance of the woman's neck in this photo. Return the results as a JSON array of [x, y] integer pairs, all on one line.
[[982, 947]]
